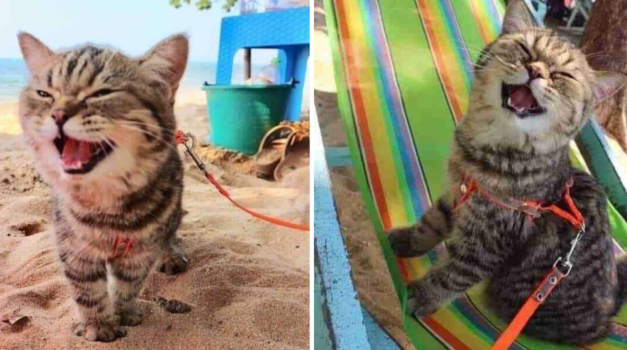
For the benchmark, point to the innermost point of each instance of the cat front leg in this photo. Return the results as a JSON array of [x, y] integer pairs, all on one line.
[[467, 264], [173, 260], [87, 275], [435, 226], [128, 274]]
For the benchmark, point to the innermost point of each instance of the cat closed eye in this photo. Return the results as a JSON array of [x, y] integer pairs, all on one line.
[[562, 74], [101, 93], [525, 49], [43, 94]]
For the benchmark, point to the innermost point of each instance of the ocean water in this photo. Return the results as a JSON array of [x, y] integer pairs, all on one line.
[[14, 76]]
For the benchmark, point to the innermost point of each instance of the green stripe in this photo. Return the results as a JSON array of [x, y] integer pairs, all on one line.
[[387, 117], [451, 38], [349, 126], [425, 103], [421, 338], [470, 28], [478, 332]]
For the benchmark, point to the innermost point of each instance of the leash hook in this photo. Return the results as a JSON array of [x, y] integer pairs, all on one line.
[[573, 244], [184, 139]]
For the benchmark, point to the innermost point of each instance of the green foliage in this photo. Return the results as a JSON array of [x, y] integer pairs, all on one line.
[[203, 5]]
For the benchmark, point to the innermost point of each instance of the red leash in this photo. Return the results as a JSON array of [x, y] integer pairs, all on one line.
[[182, 139], [533, 209]]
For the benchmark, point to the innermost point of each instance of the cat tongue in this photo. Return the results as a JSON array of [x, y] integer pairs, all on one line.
[[521, 98], [75, 153]]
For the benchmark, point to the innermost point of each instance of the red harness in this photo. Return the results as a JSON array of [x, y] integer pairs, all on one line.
[[533, 209], [122, 242]]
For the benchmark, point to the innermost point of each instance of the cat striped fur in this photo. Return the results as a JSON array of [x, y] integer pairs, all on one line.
[[532, 93], [101, 127]]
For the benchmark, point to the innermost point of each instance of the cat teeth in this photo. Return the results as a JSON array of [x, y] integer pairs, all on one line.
[[77, 164], [519, 110]]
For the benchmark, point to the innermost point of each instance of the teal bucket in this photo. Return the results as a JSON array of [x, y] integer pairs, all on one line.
[[240, 115]]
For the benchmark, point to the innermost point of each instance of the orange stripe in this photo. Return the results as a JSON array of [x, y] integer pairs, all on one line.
[[482, 29], [437, 55], [403, 269], [360, 113], [443, 333]]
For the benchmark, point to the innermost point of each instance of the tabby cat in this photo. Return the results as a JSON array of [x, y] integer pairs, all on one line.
[[101, 127], [532, 94]]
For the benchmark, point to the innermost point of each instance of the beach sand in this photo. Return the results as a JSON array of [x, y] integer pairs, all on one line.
[[247, 282]]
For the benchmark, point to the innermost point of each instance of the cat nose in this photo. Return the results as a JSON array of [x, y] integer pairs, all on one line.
[[59, 116], [535, 72]]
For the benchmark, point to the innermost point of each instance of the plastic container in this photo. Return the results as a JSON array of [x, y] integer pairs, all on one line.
[[250, 6], [277, 5], [240, 115], [257, 6]]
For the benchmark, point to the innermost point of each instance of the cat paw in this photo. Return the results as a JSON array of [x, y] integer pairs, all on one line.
[[420, 305], [99, 331], [408, 242], [173, 262], [129, 317]]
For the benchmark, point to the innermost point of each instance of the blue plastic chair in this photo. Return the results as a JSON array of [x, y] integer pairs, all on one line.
[[287, 31]]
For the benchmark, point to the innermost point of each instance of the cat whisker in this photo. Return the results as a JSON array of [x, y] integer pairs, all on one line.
[[146, 132]]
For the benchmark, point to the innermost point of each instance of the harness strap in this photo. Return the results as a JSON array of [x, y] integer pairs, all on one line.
[[533, 209], [575, 219], [121, 241]]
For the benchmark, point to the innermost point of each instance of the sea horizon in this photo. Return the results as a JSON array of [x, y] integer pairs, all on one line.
[[14, 76]]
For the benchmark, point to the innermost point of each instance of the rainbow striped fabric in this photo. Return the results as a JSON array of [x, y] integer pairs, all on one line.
[[404, 70]]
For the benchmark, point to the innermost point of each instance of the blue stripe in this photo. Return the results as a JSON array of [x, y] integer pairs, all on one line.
[[460, 47], [495, 18], [467, 310], [411, 168]]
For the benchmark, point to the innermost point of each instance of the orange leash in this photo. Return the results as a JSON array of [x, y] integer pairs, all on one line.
[[529, 308], [551, 280], [183, 139]]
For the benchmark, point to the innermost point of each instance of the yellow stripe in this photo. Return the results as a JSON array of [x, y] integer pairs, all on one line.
[[378, 130], [449, 319], [446, 44], [417, 267], [486, 23]]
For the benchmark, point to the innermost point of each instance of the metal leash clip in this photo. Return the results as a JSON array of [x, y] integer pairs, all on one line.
[[573, 244], [189, 149]]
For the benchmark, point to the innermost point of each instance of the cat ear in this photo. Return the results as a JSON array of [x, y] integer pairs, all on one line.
[[36, 54], [168, 59], [517, 18], [606, 84]]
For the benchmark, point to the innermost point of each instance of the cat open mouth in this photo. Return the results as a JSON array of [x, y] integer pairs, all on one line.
[[80, 157], [520, 100]]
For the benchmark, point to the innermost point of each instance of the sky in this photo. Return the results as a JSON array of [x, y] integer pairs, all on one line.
[[132, 26]]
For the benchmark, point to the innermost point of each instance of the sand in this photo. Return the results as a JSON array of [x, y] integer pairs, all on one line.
[[247, 282]]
